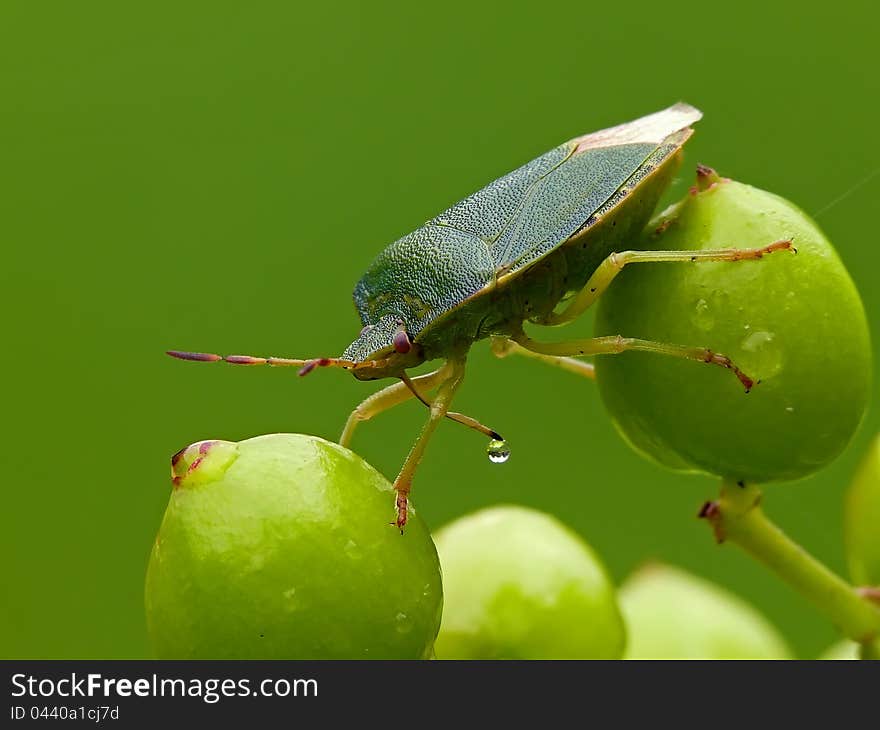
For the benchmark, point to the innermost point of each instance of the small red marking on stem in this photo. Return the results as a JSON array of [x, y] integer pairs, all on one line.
[[711, 511], [871, 593], [205, 446], [708, 511]]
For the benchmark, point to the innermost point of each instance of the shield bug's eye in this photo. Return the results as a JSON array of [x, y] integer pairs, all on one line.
[[401, 342]]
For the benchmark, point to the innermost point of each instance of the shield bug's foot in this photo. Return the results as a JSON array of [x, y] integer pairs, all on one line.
[[744, 254], [725, 362], [402, 504]]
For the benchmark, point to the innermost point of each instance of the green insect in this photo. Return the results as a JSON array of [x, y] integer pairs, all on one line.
[[538, 245]]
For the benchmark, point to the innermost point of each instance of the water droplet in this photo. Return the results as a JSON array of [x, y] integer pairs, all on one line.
[[498, 451], [291, 602], [403, 623], [789, 409], [765, 358], [756, 340], [703, 317]]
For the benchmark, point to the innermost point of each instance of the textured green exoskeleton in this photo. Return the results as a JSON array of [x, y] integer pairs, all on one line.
[[538, 245]]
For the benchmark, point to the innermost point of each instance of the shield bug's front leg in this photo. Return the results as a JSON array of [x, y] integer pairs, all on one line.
[[439, 408], [617, 344], [613, 265], [502, 347], [388, 398], [393, 395]]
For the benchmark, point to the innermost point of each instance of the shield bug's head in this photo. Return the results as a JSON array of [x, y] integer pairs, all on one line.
[[383, 349]]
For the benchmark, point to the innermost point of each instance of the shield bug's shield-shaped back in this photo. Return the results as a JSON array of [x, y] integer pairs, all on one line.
[[538, 245]]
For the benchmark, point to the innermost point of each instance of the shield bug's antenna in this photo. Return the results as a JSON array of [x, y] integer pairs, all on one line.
[[305, 366]]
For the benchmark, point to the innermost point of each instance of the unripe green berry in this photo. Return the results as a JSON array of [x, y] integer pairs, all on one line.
[[520, 585], [844, 649], [795, 323], [279, 547], [671, 614]]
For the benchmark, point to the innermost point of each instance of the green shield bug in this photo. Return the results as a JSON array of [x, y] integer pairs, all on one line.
[[538, 245]]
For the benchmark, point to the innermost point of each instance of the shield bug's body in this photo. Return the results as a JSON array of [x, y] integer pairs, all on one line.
[[538, 245]]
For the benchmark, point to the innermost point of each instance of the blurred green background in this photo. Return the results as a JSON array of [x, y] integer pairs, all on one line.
[[216, 176]]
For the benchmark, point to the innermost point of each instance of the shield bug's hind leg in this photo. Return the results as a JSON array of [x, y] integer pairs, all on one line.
[[617, 344], [439, 409], [385, 399], [613, 265], [502, 347]]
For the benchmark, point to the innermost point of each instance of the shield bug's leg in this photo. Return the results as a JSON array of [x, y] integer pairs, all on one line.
[[452, 415], [502, 347], [439, 409], [613, 265], [617, 344], [393, 395], [387, 398]]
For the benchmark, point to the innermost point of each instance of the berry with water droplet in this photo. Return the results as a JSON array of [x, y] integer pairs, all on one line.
[[520, 585], [794, 323], [671, 614], [278, 547], [498, 451]]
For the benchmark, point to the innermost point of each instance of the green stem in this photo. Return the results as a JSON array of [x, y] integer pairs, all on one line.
[[737, 517]]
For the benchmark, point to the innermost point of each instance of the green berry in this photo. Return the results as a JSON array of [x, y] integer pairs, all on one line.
[[793, 322], [862, 520], [279, 547], [671, 614], [844, 649], [520, 585]]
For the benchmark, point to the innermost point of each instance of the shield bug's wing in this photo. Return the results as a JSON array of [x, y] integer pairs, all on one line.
[[529, 211], [563, 202], [560, 202], [487, 212]]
